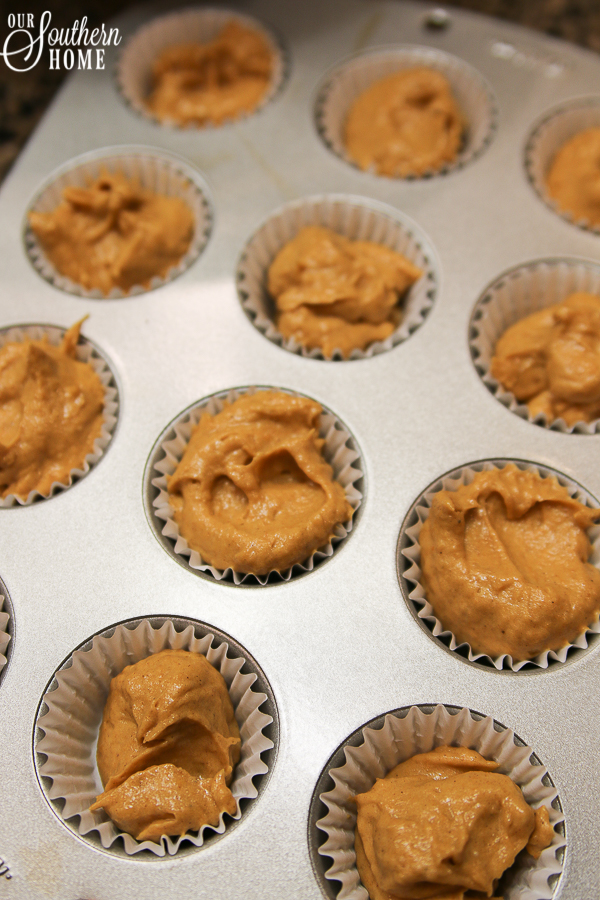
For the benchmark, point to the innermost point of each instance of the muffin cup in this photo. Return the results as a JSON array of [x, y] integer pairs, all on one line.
[[356, 218], [548, 136], [375, 748], [194, 25], [85, 352], [156, 170], [342, 85], [339, 451], [71, 710], [409, 564], [5, 630], [517, 293]]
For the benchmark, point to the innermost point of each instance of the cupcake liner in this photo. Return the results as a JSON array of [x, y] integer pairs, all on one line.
[[357, 218], [339, 450], [375, 748], [6, 627], [342, 85], [409, 564], [154, 169], [194, 25], [548, 136], [86, 352], [517, 293], [71, 709]]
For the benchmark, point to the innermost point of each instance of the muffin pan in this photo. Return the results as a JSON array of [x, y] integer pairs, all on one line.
[[338, 646]]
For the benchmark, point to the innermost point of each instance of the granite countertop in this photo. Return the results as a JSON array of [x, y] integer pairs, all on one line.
[[24, 96]]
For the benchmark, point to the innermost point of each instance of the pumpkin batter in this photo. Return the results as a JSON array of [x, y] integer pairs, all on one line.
[[337, 294], [405, 124], [551, 360], [114, 234], [573, 179], [51, 412], [505, 563], [167, 746], [252, 491], [441, 825], [209, 83]]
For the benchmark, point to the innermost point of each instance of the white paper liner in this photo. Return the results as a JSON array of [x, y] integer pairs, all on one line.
[[194, 25], [347, 80], [358, 219], [4, 633], [87, 353], [517, 293], [409, 547], [398, 739], [154, 169], [337, 450], [555, 129], [74, 712]]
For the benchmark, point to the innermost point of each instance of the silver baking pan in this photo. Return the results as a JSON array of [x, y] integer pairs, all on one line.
[[339, 646]]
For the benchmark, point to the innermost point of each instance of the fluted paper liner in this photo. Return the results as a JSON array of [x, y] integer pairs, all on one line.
[[405, 733], [199, 25], [521, 291], [87, 353], [338, 450], [74, 713], [357, 218], [548, 136], [4, 633], [155, 170], [409, 548], [342, 85]]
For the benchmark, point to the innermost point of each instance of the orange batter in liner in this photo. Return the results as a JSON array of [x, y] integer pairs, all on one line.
[[209, 83], [167, 746], [444, 826], [551, 360], [505, 563], [573, 180], [51, 412], [337, 294], [405, 124], [252, 491], [114, 234]]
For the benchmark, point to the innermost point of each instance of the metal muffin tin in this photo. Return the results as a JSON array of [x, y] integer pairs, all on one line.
[[338, 646]]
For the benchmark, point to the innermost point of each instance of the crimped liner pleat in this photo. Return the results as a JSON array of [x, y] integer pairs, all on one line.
[[86, 353], [4, 635], [358, 219], [342, 86], [411, 550], [556, 128], [518, 293], [74, 713], [344, 461], [419, 732], [154, 170], [134, 69]]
